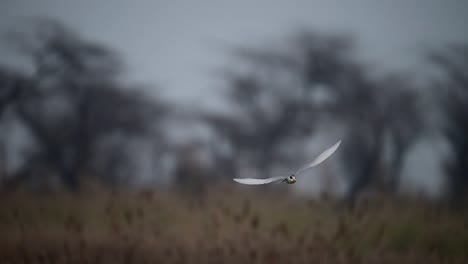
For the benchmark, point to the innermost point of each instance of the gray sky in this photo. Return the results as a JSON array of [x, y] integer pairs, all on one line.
[[177, 43]]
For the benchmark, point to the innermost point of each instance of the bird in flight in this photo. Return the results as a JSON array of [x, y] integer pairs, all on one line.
[[292, 178]]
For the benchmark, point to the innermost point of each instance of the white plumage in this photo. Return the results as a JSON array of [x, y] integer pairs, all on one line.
[[321, 158], [250, 181], [292, 178]]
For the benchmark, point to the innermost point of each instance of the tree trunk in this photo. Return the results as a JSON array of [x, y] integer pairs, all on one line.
[[397, 165], [459, 177], [70, 180], [366, 175]]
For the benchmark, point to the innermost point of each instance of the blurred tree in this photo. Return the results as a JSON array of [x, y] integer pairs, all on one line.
[[453, 96], [12, 85], [190, 176], [75, 104], [272, 108], [280, 96], [402, 119]]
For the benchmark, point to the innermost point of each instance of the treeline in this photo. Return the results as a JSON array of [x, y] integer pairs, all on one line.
[[82, 119]]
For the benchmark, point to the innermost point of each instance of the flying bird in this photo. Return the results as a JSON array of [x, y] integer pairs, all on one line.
[[292, 178]]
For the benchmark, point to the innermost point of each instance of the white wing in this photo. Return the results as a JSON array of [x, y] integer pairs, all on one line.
[[250, 181], [325, 155]]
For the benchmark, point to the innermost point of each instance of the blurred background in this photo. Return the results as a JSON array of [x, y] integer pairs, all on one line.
[[123, 123]]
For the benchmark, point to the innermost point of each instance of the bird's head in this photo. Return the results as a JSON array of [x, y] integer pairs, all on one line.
[[291, 179]]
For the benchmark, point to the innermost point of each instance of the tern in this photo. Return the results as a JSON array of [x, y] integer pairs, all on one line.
[[291, 179]]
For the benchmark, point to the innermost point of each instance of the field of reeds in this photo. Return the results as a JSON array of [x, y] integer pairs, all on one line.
[[225, 226]]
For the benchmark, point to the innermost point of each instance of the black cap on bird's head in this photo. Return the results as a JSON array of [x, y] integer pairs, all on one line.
[[291, 179]]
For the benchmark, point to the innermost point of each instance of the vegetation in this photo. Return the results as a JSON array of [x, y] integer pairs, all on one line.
[[228, 225]]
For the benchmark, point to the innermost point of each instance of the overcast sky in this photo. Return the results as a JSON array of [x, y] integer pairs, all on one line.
[[176, 44]]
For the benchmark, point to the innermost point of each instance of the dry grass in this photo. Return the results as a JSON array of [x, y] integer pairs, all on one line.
[[226, 226]]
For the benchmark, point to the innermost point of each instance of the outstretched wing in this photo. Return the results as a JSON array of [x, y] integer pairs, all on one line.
[[325, 155], [250, 181]]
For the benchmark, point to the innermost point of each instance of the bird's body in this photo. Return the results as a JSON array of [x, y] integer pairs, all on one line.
[[291, 179]]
